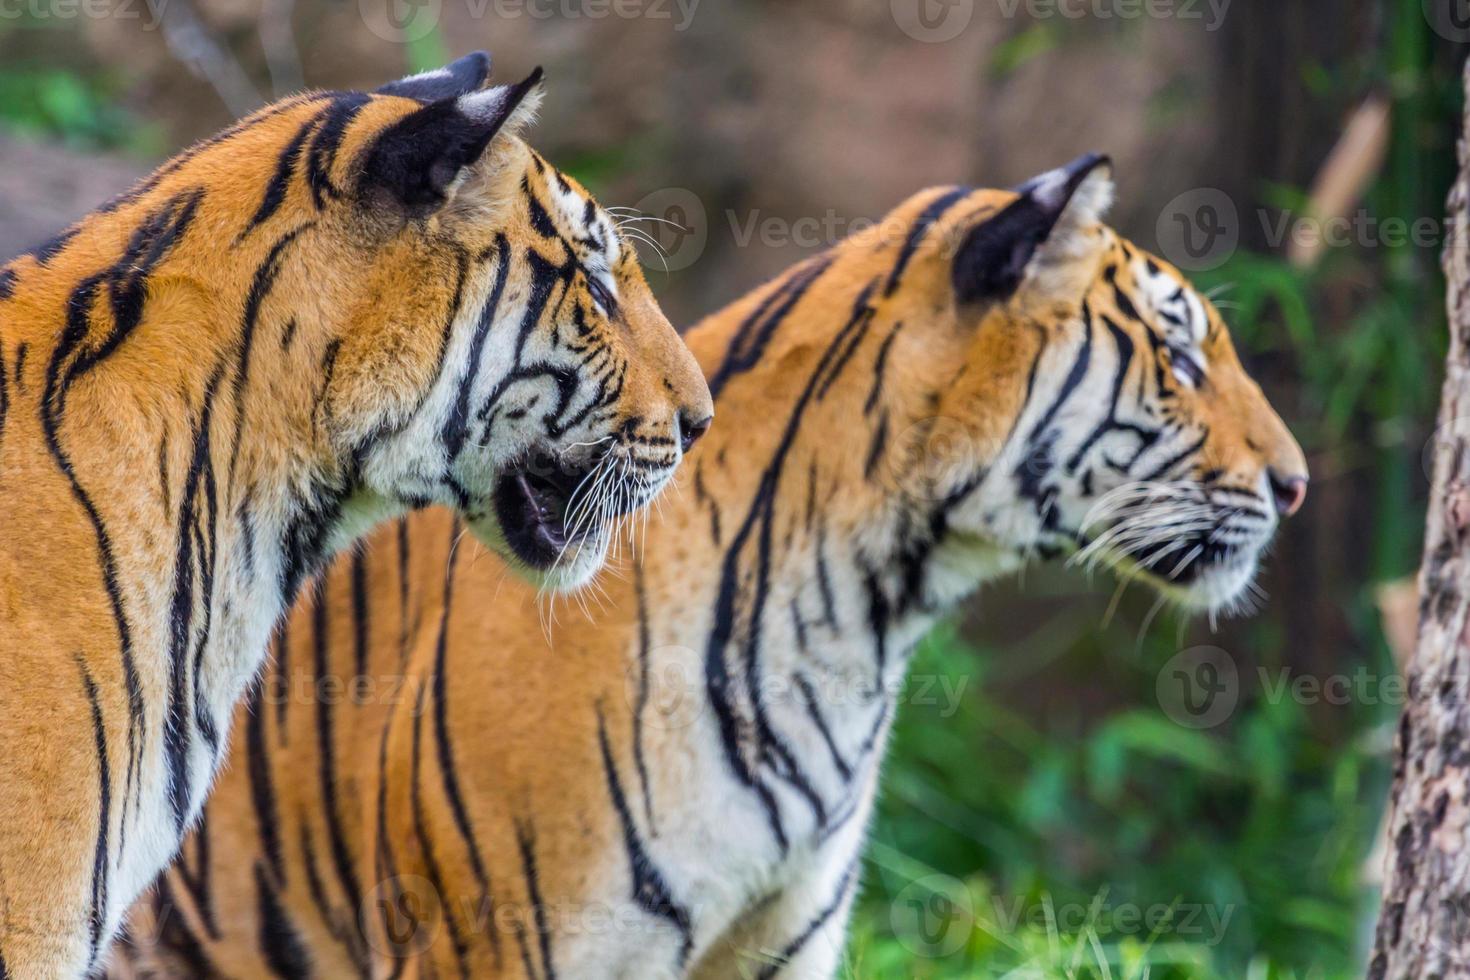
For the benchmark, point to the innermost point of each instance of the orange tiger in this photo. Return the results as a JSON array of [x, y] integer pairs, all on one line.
[[679, 784], [345, 306]]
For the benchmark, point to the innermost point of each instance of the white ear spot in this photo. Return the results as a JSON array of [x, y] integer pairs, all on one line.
[[1048, 188], [426, 76], [483, 106], [487, 105]]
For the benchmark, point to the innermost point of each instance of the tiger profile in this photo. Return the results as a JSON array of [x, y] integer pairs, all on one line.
[[344, 307], [678, 784]]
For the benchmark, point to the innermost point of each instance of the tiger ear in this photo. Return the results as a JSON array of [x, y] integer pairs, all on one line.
[[1040, 239], [421, 157], [457, 78]]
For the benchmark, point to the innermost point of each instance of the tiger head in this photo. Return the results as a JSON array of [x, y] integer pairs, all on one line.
[[483, 334], [1039, 387]]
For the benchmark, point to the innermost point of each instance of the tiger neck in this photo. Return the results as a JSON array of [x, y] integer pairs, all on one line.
[[815, 607]]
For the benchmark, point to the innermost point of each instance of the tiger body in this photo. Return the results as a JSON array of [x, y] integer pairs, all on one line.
[[678, 783], [318, 319]]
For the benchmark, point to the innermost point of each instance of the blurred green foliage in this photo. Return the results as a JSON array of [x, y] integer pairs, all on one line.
[[49, 91]]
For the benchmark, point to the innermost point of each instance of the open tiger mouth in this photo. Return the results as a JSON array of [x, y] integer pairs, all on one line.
[[532, 503], [1185, 561], [546, 503]]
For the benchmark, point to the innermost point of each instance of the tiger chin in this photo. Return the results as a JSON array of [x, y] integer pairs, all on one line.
[[678, 785], [344, 307]]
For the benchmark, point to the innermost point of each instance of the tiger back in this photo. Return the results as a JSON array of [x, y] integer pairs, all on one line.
[[439, 780], [346, 306]]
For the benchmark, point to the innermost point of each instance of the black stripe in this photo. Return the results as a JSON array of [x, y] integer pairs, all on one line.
[[328, 140], [880, 368], [921, 226], [876, 446], [315, 887], [526, 843], [814, 712], [822, 918], [748, 345], [174, 933], [196, 882], [541, 222], [770, 748], [1125, 360], [98, 917], [260, 287], [444, 748], [403, 566], [276, 187], [426, 844], [7, 283], [456, 426], [4, 387], [188, 565], [327, 752], [280, 944], [1037, 462], [650, 890], [1177, 458], [645, 642], [181, 160], [51, 409], [258, 766], [52, 247], [358, 574]]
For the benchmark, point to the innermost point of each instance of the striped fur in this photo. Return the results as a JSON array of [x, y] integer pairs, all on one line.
[[678, 783], [342, 308]]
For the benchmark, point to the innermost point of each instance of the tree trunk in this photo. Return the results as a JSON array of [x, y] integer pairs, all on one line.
[[1424, 924]]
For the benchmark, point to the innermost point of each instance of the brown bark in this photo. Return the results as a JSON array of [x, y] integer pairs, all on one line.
[[1424, 924]]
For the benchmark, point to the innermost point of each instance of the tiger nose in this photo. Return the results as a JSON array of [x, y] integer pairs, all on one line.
[[691, 429], [1290, 493]]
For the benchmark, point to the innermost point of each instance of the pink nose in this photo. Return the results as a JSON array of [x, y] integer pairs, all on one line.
[[1290, 493]]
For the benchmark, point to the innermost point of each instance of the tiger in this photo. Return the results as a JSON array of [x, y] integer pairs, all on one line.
[[437, 779], [344, 307]]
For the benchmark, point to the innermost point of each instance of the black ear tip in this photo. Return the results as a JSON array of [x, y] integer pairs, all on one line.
[[537, 76], [459, 77], [476, 65]]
